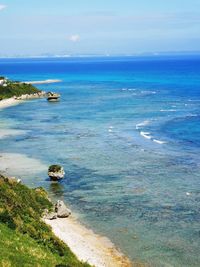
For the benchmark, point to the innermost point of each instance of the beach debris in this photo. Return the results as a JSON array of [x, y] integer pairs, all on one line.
[[61, 209], [56, 172], [188, 193], [52, 97]]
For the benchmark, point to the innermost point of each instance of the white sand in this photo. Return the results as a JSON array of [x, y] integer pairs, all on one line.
[[44, 81], [86, 245], [9, 102]]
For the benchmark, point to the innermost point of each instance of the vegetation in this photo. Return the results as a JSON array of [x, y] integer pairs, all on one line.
[[54, 168], [25, 239], [10, 89]]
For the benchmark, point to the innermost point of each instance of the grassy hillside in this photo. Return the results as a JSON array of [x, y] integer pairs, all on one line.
[[25, 239], [16, 89]]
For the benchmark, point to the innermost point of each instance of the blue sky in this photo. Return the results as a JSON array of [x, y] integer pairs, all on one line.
[[33, 27]]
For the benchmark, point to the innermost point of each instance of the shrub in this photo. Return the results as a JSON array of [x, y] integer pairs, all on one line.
[[54, 168]]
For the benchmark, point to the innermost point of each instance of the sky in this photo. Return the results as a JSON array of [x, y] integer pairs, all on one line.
[[104, 27]]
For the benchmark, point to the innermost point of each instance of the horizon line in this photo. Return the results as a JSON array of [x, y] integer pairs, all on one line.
[[144, 54]]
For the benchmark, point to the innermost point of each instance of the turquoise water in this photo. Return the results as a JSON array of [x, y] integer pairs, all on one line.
[[127, 132]]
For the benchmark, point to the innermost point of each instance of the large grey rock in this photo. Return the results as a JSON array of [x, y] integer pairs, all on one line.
[[61, 210]]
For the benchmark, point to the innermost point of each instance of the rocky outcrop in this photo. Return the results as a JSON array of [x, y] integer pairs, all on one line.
[[60, 211], [56, 172], [31, 96], [53, 96]]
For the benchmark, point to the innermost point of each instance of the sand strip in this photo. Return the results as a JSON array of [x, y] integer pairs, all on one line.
[[43, 82], [86, 245], [5, 103], [9, 102]]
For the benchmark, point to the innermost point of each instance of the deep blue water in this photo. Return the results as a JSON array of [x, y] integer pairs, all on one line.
[[127, 131]]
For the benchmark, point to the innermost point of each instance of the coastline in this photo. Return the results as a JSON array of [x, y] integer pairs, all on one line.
[[13, 101], [89, 247], [48, 81], [5, 103], [97, 250]]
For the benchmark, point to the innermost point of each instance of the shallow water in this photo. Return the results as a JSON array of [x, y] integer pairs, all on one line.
[[127, 132]]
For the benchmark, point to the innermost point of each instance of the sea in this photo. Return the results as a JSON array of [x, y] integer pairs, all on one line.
[[127, 132]]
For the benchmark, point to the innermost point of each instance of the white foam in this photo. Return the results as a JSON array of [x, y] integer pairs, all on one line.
[[140, 125], [149, 92], [159, 141], [128, 89], [146, 135], [168, 110]]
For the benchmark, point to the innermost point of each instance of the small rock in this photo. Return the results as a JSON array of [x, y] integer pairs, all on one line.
[[51, 216], [56, 172], [62, 210]]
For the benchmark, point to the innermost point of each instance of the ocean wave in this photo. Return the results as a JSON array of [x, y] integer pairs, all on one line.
[[110, 129], [139, 92], [146, 135], [193, 115], [141, 124], [168, 110], [128, 89], [159, 141], [148, 92]]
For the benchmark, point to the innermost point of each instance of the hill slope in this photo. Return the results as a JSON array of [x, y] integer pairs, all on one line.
[[9, 89], [25, 239]]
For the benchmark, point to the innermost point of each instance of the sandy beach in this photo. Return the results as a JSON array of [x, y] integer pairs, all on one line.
[[12, 101], [86, 245], [9, 102], [43, 82]]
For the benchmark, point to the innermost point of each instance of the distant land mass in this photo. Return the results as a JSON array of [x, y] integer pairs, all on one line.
[[146, 54]]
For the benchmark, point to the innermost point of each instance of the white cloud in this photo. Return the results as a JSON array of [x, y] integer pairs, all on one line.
[[74, 38], [2, 6]]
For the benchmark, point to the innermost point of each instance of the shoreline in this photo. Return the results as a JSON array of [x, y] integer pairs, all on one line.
[[48, 81], [13, 101], [8, 102], [88, 246]]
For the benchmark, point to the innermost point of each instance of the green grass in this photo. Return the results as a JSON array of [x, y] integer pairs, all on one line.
[[25, 239], [16, 89]]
